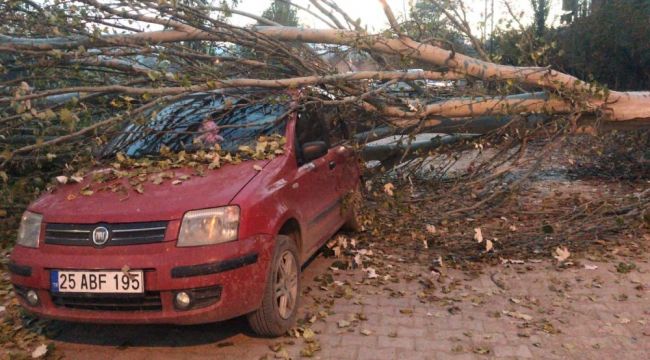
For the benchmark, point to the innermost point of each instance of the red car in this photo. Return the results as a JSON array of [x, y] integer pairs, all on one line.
[[217, 246]]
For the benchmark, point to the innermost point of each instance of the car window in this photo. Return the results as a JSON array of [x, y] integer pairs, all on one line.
[[201, 122], [335, 124], [310, 127]]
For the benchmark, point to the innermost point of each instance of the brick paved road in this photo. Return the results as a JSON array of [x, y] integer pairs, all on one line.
[[532, 310]]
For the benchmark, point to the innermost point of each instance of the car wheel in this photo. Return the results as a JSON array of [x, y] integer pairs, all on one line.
[[352, 206], [281, 295]]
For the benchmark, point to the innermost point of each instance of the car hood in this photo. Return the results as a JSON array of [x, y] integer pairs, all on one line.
[[157, 202]]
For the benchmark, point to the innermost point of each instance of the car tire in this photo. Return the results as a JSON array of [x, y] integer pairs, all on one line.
[[277, 315], [353, 221]]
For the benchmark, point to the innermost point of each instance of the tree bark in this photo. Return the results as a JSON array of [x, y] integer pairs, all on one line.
[[615, 105]]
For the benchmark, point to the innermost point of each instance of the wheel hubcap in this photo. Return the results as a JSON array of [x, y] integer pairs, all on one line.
[[286, 284]]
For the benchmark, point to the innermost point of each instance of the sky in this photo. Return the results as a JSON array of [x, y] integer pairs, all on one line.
[[372, 14]]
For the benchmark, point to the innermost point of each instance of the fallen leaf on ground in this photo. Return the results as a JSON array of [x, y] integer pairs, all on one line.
[[430, 229], [482, 351], [39, 352], [308, 335], [257, 167], [366, 332], [591, 267], [478, 235], [282, 354], [488, 245], [372, 274], [512, 261], [518, 315], [310, 349], [388, 189], [561, 253], [343, 323], [625, 268]]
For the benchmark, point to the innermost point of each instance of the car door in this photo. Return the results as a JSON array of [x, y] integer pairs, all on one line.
[[315, 183], [343, 162]]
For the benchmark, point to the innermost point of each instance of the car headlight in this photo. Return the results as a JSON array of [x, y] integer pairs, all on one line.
[[30, 229], [209, 226]]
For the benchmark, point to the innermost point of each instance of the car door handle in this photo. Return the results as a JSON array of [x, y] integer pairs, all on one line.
[[332, 165]]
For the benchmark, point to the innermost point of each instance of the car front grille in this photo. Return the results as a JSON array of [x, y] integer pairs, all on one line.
[[149, 301], [120, 234]]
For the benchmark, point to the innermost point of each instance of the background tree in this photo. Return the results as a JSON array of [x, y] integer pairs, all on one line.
[[281, 12], [541, 9], [609, 45]]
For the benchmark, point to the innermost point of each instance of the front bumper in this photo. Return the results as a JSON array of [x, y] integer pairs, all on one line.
[[238, 269]]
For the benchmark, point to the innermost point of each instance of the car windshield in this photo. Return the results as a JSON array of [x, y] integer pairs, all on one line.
[[200, 122]]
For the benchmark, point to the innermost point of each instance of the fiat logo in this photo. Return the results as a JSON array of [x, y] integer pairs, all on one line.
[[100, 235]]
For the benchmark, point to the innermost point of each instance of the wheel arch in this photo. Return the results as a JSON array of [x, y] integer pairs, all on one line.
[[291, 228]]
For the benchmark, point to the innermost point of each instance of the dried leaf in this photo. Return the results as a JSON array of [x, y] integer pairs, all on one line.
[[488, 245], [343, 324], [310, 349], [282, 354], [478, 235], [62, 179], [481, 350], [87, 192], [257, 167], [388, 189], [309, 335], [39, 352], [561, 253], [366, 332], [518, 315], [512, 261], [372, 274], [430, 229]]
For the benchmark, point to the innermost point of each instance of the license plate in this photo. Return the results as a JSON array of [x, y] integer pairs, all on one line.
[[116, 282]]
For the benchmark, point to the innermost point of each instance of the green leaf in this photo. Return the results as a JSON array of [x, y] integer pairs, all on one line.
[[68, 118]]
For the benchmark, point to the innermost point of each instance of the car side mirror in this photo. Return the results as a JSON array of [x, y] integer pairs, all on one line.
[[313, 150]]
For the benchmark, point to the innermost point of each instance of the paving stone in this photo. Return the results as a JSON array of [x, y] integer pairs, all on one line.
[[590, 320], [402, 342]]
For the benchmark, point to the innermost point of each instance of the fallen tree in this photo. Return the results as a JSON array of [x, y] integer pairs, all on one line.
[[564, 94], [75, 72]]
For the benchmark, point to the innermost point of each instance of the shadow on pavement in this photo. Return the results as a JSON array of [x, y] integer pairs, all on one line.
[[126, 336]]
